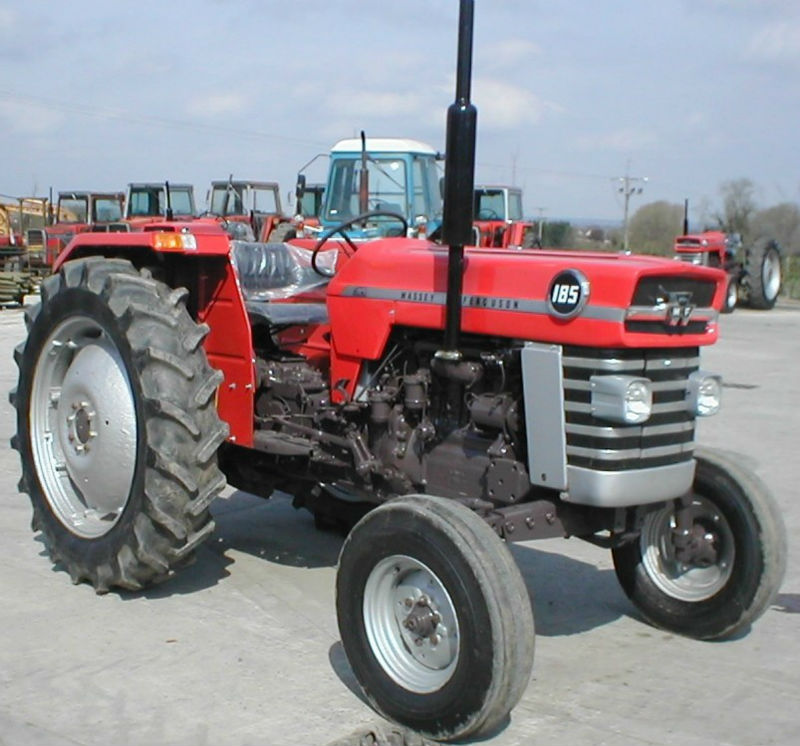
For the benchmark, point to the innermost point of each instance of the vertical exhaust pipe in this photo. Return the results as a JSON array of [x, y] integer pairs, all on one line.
[[459, 182], [168, 202], [686, 217]]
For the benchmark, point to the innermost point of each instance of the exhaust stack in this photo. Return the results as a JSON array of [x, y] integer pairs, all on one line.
[[686, 217], [459, 182]]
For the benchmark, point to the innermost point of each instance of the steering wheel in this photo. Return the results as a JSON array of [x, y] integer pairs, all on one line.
[[487, 213], [340, 228]]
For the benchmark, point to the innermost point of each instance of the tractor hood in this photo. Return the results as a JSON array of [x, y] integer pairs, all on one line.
[[563, 297]]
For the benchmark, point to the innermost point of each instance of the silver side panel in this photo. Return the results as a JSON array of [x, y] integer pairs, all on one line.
[[543, 393], [621, 489]]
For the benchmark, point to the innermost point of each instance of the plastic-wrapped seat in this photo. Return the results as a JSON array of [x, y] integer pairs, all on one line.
[[270, 272]]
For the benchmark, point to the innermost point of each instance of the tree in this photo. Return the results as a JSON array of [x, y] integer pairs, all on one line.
[[781, 222], [738, 206], [654, 226], [557, 234]]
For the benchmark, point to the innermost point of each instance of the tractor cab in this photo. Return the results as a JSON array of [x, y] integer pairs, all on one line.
[[499, 221], [384, 175], [148, 202], [242, 202], [82, 212]]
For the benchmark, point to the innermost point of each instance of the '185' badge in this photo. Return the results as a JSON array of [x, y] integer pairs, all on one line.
[[568, 294]]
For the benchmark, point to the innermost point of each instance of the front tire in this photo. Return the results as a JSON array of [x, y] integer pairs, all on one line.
[[740, 555], [116, 425], [434, 617]]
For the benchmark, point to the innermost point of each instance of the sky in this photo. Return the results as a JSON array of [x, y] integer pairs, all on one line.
[[571, 95]]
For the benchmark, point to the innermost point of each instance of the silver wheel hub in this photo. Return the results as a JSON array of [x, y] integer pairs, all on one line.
[[714, 553], [771, 275], [83, 427], [411, 624]]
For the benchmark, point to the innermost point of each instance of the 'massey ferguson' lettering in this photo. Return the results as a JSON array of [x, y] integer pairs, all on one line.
[[481, 301], [418, 296]]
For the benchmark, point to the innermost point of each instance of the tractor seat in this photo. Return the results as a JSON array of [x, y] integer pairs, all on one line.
[[270, 272], [277, 314]]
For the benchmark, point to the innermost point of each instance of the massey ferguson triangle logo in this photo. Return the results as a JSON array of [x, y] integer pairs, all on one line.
[[679, 309]]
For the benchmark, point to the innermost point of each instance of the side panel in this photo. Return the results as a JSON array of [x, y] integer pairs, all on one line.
[[229, 346], [543, 394]]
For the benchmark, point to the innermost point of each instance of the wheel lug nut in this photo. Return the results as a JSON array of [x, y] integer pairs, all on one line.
[[409, 602], [434, 638]]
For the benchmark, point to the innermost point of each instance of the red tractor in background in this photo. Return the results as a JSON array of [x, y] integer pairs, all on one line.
[[149, 202], [442, 398], [83, 212], [256, 204], [754, 271], [499, 221]]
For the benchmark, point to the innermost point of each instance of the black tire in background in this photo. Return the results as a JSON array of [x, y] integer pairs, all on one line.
[[738, 515], [116, 424], [434, 617], [764, 273]]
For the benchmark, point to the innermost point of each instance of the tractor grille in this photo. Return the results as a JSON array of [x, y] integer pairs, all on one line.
[[671, 305], [666, 438]]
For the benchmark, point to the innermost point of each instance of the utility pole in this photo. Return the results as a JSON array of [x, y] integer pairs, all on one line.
[[629, 185]]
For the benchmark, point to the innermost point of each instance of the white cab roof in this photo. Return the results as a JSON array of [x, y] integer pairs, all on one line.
[[383, 145]]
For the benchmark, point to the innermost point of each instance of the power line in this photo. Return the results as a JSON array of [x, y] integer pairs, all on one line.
[[139, 118]]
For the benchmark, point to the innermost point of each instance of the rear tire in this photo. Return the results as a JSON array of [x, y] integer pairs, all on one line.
[[737, 518], [434, 617], [763, 267], [116, 425]]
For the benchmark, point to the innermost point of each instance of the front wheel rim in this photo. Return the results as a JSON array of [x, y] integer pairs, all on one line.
[[685, 582], [83, 428], [411, 624], [733, 295], [771, 275]]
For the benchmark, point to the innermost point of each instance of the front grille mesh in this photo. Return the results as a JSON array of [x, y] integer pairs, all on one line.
[[668, 435]]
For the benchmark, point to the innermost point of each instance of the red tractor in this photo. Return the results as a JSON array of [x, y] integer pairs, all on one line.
[[151, 202], [250, 204], [439, 399], [82, 212], [754, 272], [499, 222]]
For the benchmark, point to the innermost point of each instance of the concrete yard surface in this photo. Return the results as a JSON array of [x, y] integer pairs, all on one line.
[[242, 648]]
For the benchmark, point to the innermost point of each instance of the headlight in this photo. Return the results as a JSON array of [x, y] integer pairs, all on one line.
[[704, 394], [622, 399]]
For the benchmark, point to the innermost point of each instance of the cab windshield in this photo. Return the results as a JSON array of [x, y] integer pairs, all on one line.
[[151, 201], [240, 199], [391, 187], [387, 187]]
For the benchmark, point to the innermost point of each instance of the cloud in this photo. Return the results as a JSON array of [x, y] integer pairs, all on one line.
[[625, 140], [217, 105], [776, 42], [380, 104], [503, 105]]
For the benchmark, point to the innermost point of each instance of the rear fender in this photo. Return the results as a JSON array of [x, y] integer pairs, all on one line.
[[214, 299]]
